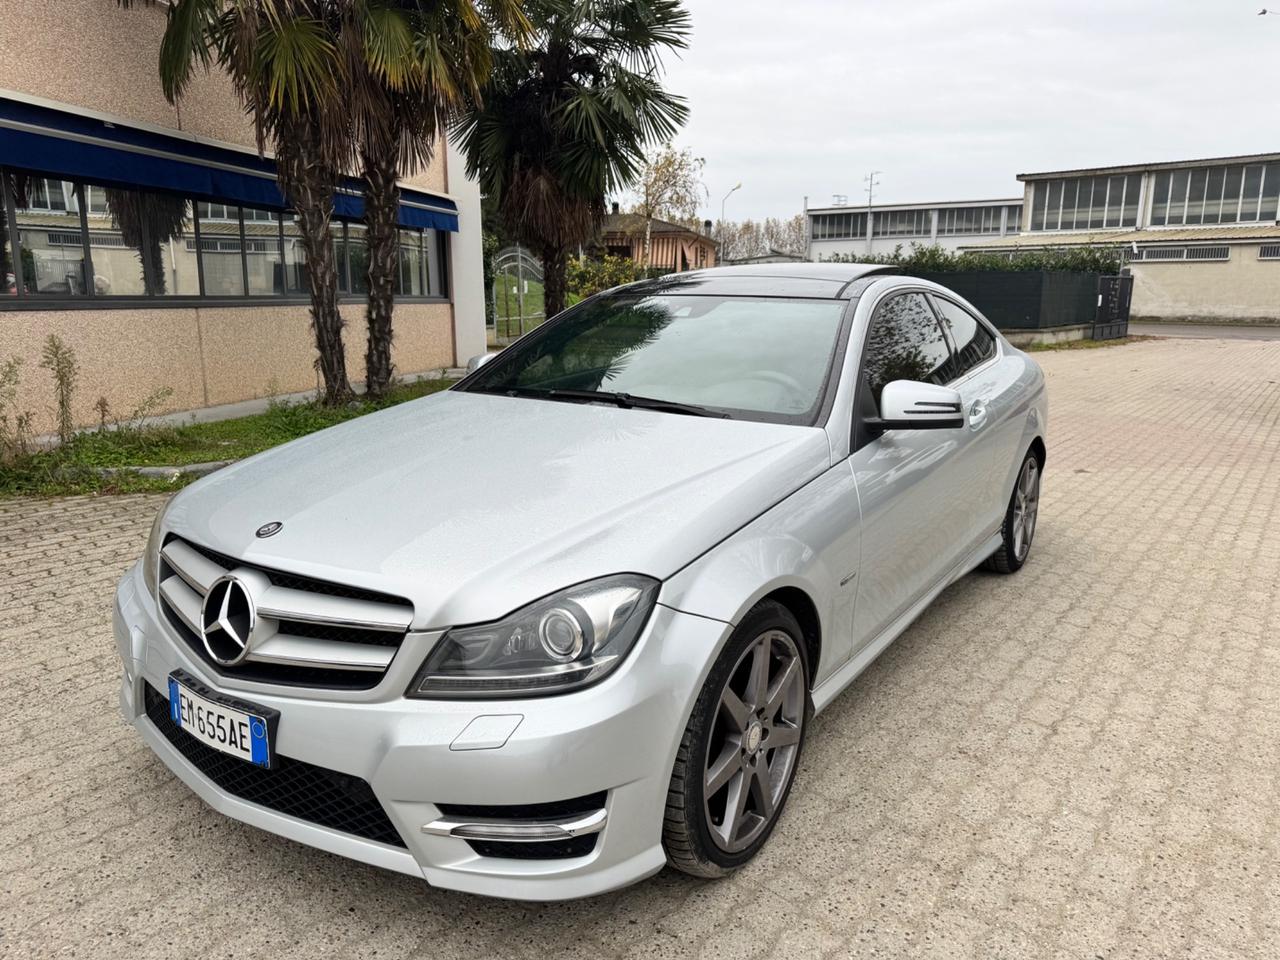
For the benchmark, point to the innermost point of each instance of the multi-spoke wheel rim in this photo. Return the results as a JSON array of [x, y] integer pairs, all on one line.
[[755, 740], [1026, 503]]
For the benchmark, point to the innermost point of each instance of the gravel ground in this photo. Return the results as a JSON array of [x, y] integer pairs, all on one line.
[[1078, 761]]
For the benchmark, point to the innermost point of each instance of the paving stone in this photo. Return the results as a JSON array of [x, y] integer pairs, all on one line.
[[1080, 760]]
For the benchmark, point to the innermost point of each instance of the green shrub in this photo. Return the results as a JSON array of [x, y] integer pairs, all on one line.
[[935, 259], [15, 424], [589, 276], [60, 361]]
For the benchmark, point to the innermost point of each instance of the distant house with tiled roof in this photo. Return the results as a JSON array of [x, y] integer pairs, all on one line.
[[672, 246]]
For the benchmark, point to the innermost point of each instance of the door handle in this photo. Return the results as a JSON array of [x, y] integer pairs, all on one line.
[[977, 414]]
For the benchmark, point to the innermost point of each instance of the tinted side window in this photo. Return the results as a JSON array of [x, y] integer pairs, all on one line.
[[974, 343], [905, 343]]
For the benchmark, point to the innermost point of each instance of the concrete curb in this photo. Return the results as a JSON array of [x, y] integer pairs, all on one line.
[[171, 473]]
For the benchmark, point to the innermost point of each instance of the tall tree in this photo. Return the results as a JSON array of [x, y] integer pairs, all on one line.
[[147, 221], [290, 75], [567, 121], [412, 65], [669, 188]]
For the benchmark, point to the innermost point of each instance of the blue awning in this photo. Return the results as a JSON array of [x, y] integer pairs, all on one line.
[[63, 144]]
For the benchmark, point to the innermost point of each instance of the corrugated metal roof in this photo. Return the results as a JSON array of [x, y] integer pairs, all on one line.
[[940, 204], [1040, 241], [1157, 165]]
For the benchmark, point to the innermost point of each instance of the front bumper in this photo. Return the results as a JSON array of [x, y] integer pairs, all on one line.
[[619, 736]]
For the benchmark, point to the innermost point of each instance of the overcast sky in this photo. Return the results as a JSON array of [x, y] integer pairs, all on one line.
[[950, 100]]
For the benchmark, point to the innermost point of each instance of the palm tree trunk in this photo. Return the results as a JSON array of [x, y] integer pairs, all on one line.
[[308, 182], [553, 283], [381, 217]]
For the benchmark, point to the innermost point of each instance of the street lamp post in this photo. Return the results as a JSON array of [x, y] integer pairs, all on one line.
[[736, 187]]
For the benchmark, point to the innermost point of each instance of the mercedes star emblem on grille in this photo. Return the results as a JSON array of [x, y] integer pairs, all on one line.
[[227, 619]]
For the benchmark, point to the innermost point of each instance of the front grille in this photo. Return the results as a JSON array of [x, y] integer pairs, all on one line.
[[542, 850], [310, 632], [315, 794]]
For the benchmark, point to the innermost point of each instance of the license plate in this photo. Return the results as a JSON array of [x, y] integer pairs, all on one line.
[[231, 726]]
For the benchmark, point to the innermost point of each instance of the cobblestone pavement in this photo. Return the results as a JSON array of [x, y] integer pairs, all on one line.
[[1082, 760]]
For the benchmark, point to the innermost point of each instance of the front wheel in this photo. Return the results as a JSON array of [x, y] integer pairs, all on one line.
[[1019, 519], [740, 751]]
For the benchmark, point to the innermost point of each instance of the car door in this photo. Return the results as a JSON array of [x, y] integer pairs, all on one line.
[[987, 401], [911, 531]]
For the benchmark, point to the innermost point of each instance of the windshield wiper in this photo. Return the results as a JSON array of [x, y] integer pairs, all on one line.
[[628, 401]]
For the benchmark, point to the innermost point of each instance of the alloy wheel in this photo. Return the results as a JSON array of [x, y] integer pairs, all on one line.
[[1026, 504], [755, 741]]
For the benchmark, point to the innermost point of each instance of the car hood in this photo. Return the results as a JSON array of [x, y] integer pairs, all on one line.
[[472, 505]]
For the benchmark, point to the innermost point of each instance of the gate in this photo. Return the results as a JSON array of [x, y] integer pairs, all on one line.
[[1114, 297], [516, 298]]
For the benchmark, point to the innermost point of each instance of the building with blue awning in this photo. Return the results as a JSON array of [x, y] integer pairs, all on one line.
[[156, 241]]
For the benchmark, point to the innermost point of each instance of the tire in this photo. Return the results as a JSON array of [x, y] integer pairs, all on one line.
[[729, 719], [1019, 525]]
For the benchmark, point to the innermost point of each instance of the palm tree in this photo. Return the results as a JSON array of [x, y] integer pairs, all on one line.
[[411, 64], [289, 73], [17, 184], [567, 121], [147, 221]]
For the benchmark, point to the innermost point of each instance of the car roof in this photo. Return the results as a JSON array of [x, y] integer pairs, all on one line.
[[823, 280]]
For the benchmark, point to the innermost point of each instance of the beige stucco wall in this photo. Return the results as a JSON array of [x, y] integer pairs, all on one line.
[[205, 355], [1243, 289], [92, 54]]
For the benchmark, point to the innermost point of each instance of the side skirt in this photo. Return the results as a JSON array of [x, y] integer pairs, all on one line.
[[834, 685]]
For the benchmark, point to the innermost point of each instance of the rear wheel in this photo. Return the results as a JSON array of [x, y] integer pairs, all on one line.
[[1019, 519], [740, 751]]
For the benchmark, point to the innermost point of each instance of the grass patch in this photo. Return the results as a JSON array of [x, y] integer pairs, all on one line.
[[1084, 344], [75, 467]]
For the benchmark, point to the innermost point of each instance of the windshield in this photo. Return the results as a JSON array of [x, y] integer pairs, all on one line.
[[752, 358]]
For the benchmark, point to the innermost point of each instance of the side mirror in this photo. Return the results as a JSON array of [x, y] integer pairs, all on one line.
[[911, 405], [478, 361]]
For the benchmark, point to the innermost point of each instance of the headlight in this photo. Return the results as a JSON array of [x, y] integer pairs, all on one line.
[[151, 559], [561, 642]]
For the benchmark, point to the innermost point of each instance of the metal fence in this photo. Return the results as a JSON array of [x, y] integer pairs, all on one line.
[[516, 299]]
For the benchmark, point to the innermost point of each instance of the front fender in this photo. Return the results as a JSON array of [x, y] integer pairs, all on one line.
[[808, 542]]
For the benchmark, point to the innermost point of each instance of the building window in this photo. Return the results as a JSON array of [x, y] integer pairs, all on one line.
[[1086, 203], [838, 226], [1269, 251], [1014, 223], [1183, 254], [902, 223], [1243, 194], [962, 221], [87, 240]]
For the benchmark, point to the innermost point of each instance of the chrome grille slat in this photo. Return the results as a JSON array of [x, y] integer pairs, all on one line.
[[349, 625], [199, 571], [284, 603], [326, 654], [184, 601]]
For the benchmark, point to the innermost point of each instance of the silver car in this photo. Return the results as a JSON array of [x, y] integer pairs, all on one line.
[[568, 622]]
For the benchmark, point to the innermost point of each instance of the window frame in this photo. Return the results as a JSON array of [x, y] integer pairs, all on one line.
[[891, 295], [982, 323], [859, 434], [434, 264]]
